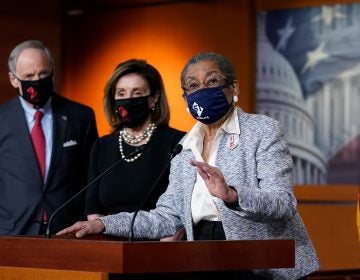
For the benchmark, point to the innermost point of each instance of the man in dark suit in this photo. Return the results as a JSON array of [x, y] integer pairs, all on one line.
[[32, 184]]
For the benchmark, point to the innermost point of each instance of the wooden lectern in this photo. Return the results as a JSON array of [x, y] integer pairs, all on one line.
[[95, 258]]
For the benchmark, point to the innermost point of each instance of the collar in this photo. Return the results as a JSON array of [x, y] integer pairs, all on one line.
[[30, 111], [196, 134]]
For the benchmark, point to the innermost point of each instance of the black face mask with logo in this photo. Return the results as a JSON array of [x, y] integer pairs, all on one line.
[[37, 92], [132, 111]]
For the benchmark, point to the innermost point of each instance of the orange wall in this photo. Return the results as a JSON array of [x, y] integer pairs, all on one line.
[[166, 36], [329, 213]]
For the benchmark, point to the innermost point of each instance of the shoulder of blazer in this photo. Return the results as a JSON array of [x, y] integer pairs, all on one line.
[[11, 107], [255, 121]]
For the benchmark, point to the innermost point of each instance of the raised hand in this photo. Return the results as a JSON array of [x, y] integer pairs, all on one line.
[[215, 181]]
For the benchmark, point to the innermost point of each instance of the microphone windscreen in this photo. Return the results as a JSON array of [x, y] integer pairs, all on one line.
[[177, 149]]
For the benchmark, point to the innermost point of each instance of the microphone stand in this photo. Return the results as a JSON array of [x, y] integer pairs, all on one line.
[[177, 149], [139, 150]]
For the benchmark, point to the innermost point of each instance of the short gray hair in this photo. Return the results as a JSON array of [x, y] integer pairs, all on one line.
[[224, 64], [30, 44]]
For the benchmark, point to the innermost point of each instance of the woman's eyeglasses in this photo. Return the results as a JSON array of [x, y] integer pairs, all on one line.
[[212, 81]]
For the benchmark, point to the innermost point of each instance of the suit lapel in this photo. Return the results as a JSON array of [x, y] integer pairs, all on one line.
[[59, 130], [189, 176]]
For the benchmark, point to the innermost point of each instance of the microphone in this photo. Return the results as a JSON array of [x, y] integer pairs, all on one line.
[[176, 150], [139, 150]]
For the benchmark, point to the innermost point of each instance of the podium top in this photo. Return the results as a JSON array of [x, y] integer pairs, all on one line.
[[108, 255]]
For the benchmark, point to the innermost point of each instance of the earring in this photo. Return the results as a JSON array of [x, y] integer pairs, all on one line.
[[153, 109], [235, 98]]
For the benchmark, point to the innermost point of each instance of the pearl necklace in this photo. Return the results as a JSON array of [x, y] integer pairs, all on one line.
[[133, 140], [146, 134]]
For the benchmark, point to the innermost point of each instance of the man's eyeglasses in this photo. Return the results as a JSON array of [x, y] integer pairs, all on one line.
[[212, 81]]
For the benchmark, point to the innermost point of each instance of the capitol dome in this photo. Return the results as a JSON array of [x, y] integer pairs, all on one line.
[[279, 95], [275, 72]]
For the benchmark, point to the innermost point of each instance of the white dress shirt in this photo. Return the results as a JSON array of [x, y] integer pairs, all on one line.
[[202, 202]]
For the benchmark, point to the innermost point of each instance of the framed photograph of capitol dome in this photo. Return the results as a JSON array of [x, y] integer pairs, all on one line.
[[308, 78]]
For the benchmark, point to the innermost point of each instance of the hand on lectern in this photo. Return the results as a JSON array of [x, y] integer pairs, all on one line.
[[179, 236], [80, 229]]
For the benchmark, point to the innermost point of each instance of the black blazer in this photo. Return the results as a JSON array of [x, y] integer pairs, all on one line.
[[23, 195]]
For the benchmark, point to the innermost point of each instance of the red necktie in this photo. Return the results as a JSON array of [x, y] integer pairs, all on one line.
[[38, 140]]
